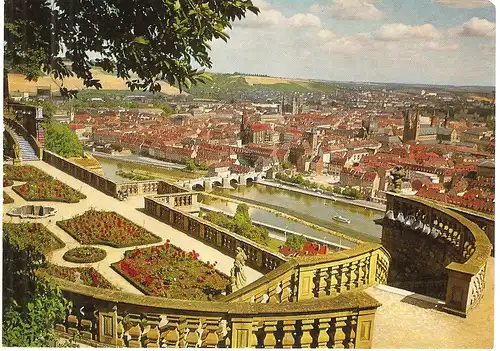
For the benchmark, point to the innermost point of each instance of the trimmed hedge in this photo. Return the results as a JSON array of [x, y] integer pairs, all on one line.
[[85, 254]]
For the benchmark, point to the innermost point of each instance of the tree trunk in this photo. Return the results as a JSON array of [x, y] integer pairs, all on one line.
[[5, 86]]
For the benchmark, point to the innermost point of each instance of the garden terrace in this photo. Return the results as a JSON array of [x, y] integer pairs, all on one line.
[[7, 199], [33, 233], [48, 190], [107, 228], [7, 182], [259, 256], [23, 173], [85, 254], [87, 276], [445, 252], [171, 272]]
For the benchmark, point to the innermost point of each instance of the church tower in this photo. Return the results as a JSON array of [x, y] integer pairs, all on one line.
[[411, 125]]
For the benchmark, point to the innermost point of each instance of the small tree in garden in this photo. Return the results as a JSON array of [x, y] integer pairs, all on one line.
[[60, 139], [296, 242]]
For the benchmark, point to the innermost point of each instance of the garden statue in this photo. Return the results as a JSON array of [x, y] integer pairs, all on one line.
[[78, 279], [397, 174], [238, 278]]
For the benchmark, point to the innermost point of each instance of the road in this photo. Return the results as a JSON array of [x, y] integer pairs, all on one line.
[[140, 159]]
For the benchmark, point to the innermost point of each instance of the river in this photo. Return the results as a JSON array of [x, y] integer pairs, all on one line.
[[306, 207]]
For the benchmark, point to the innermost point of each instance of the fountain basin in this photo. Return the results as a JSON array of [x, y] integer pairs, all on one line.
[[32, 211]]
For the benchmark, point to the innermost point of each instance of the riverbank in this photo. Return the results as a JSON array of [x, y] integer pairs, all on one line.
[[353, 237], [359, 203], [281, 236]]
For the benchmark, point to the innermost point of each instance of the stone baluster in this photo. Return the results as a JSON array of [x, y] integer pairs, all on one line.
[[135, 331], [182, 332], [336, 278], [269, 330], [153, 334], [323, 338], [86, 326], [307, 330], [339, 336], [323, 283], [171, 336], [289, 330], [354, 275], [254, 341], [351, 332], [120, 332], [192, 336], [210, 337], [72, 321]]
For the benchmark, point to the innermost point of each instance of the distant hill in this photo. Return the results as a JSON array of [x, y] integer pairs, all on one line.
[[17, 83]]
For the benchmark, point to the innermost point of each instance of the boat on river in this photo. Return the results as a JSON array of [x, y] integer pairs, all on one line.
[[339, 218]]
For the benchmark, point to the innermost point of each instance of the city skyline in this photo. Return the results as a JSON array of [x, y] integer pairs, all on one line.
[[434, 42]]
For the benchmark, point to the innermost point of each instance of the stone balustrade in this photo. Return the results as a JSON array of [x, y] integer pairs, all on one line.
[[258, 256], [309, 277], [462, 246], [98, 181], [113, 318], [18, 128]]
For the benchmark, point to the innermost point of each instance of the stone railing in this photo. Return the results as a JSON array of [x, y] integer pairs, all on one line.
[[259, 257], [113, 318], [98, 181], [93, 179], [169, 188], [18, 157], [138, 187], [18, 128], [462, 240], [305, 278]]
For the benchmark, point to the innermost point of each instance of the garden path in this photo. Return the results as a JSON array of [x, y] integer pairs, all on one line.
[[130, 210]]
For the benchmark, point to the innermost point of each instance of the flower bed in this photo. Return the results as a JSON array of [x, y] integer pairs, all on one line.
[[85, 254], [87, 275], [170, 272], [107, 228], [7, 199], [7, 182], [23, 173], [34, 233], [48, 190]]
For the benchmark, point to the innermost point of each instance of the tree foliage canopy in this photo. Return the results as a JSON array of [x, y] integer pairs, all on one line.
[[155, 39], [31, 305], [59, 138]]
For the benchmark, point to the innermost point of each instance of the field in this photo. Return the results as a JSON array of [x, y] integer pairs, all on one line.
[[17, 83]]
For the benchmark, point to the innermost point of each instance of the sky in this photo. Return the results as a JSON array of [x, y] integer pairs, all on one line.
[[449, 42]]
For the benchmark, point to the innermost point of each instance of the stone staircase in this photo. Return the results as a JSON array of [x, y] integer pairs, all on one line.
[[27, 151]]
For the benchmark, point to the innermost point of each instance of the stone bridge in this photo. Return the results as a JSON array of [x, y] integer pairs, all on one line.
[[207, 183]]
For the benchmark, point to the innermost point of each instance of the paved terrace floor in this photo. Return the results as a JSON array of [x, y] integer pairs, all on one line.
[[407, 321], [130, 209]]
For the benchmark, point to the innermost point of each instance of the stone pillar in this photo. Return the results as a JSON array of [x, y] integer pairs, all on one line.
[[458, 291], [363, 329], [207, 185], [241, 333], [226, 183], [306, 285], [242, 179]]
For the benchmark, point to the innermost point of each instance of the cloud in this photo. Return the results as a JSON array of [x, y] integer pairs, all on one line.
[[464, 4], [355, 10], [301, 20], [316, 8], [268, 17], [399, 31], [477, 27]]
